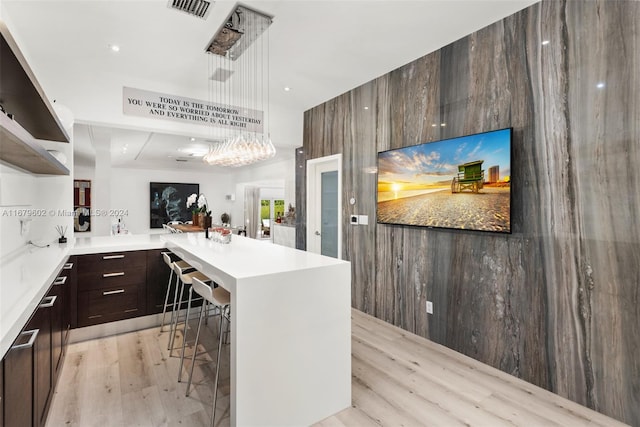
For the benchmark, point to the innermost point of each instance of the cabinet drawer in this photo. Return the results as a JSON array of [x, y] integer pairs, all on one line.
[[90, 280], [110, 304], [112, 261]]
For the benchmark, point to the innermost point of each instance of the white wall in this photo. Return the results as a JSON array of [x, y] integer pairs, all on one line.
[[17, 191], [129, 191], [46, 200]]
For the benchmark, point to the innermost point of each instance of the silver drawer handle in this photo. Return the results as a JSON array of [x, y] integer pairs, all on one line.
[[68, 266], [113, 256], [28, 344], [118, 291], [120, 273], [48, 302], [60, 280]]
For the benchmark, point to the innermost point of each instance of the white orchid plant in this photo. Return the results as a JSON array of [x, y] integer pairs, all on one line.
[[198, 204]]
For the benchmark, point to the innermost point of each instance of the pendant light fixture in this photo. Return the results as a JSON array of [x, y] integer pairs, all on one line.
[[239, 90]]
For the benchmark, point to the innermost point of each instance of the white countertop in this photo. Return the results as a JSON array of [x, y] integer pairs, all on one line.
[[24, 280], [124, 242], [245, 257], [25, 276]]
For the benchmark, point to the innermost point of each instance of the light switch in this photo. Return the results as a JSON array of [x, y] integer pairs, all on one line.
[[363, 219]]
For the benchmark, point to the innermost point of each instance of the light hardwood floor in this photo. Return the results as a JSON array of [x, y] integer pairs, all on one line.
[[398, 379]]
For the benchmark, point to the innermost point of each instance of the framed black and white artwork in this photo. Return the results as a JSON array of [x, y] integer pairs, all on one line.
[[168, 202]]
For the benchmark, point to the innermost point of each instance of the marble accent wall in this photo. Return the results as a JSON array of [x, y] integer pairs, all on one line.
[[556, 302]]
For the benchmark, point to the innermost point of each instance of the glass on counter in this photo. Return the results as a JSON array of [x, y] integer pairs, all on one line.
[[220, 234]]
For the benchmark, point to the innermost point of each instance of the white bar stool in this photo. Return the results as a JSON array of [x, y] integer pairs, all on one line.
[[203, 307], [221, 299], [169, 258], [185, 277]]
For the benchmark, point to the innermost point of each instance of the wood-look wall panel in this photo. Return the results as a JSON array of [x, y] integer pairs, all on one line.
[[359, 182], [557, 301], [605, 124]]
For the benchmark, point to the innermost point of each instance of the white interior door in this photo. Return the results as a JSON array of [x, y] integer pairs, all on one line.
[[324, 206]]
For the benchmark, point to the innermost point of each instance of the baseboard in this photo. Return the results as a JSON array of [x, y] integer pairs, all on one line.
[[114, 328]]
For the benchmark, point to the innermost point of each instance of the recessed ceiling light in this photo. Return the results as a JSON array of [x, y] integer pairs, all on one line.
[[443, 124], [600, 85], [114, 47], [434, 125], [366, 108], [287, 89], [545, 42], [192, 139]]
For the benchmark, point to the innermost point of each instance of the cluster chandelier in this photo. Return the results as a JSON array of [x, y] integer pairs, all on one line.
[[239, 90]]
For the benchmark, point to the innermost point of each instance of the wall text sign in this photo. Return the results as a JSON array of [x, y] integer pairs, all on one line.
[[144, 103]]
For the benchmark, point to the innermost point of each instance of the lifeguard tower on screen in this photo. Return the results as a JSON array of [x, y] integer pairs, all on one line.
[[470, 177]]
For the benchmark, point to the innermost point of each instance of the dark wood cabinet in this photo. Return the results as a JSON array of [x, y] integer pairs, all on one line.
[[70, 319], [31, 367], [157, 280], [18, 380], [111, 286], [2, 393], [111, 304], [57, 330], [42, 361]]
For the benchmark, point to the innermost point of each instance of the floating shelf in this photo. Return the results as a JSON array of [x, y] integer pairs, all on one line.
[[35, 118], [19, 148]]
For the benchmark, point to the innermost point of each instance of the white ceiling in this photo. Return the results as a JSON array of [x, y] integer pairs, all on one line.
[[319, 49]]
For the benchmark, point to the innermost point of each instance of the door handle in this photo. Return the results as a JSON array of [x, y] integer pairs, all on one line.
[[48, 302], [113, 257], [317, 233], [120, 273], [33, 334]]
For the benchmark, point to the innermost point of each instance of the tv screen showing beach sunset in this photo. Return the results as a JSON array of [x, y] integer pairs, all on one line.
[[462, 183]]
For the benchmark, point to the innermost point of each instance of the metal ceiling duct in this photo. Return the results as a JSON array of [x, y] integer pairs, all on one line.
[[199, 8]]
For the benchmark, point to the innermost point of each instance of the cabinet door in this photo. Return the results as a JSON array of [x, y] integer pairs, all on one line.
[[1, 393], [42, 372], [57, 330], [111, 286], [108, 305], [70, 318], [18, 380], [157, 280]]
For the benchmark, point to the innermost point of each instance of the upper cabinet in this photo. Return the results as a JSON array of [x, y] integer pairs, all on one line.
[[33, 116]]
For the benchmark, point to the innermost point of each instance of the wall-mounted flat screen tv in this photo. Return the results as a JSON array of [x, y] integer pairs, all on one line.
[[460, 183]]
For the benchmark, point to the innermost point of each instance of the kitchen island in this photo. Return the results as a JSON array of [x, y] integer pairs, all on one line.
[[290, 327], [290, 317]]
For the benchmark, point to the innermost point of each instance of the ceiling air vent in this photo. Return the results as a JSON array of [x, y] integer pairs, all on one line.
[[199, 8], [221, 74]]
